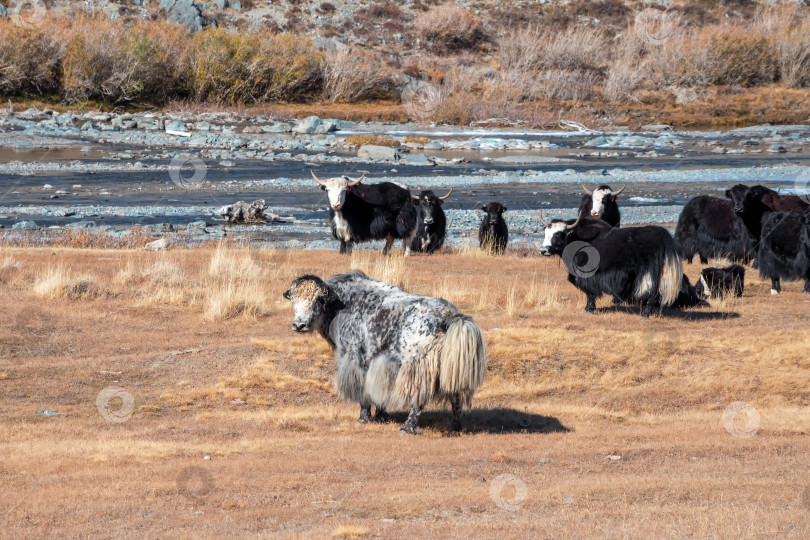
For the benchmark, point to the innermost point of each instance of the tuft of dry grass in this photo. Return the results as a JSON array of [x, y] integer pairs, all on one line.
[[348, 530], [361, 140], [57, 282], [235, 287], [448, 28]]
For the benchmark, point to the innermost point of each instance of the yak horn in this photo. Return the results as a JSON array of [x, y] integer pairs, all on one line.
[[543, 221], [574, 224], [448, 194], [588, 191], [357, 181], [316, 178], [617, 192], [415, 197]]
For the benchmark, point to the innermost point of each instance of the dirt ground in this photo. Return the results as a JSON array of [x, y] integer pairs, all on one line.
[[155, 395]]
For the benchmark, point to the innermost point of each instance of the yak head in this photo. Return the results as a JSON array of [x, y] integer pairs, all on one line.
[[314, 304], [494, 210], [601, 197], [743, 196], [555, 238], [337, 188], [430, 204]]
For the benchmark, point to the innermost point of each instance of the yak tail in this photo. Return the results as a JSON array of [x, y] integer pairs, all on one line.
[[671, 276], [464, 358]]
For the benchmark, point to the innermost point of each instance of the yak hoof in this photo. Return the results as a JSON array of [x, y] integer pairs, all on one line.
[[774, 291], [455, 427], [408, 429], [365, 417]]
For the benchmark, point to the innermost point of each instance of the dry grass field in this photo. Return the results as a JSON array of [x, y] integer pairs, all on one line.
[[226, 423]]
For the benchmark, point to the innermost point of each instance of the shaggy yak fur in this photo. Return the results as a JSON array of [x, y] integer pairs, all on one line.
[[709, 228], [784, 249], [394, 350], [638, 264], [719, 282], [431, 223], [601, 204]]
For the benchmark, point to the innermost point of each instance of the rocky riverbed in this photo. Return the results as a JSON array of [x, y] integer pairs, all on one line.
[[169, 173]]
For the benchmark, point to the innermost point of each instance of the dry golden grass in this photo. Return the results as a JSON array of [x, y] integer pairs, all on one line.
[[612, 422], [360, 140]]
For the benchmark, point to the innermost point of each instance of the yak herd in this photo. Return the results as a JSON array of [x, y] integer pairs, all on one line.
[[400, 351]]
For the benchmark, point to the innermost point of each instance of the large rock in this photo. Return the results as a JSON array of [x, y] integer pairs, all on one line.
[[25, 225], [157, 245], [3, 12], [313, 124], [186, 13], [372, 151]]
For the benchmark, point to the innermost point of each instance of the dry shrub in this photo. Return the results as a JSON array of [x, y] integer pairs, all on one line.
[[8, 267], [448, 28], [57, 282], [361, 140], [30, 61], [164, 282], [793, 55], [233, 285], [566, 84], [355, 74], [136, 237], [239, 68]]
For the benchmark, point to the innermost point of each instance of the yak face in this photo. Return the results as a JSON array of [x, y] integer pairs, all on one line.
[[554, 241], [601, 197], [336, 189], [429, 203], [493, 211], [740, 195], [314, 303]]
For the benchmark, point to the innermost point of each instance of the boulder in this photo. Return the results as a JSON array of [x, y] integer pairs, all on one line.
[[313, 124], [372, 151], [157, 245], [186, 13], [28, 225]]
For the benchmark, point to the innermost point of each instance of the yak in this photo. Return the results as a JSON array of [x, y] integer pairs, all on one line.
[[359, 212], [709, 228], [753, 203], [720, 282], [784, 249], [639, 264], [601, 203], [493, 234], [394, 350], [431, 223]]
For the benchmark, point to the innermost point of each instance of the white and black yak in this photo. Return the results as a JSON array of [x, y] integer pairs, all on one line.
[[394, 350], [784, 249], [493, 234], [709, 228], [637, 264], [601, 204], [359, 212], [720, 282], [431, 223]]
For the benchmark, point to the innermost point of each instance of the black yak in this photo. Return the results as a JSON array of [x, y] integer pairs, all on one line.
[[431, 223], [638, 264], [394, 350], [720, 282], [784, 249], [709, 228], [493, 234]]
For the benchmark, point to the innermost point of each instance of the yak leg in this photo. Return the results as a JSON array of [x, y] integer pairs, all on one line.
[[380, 414], [406, 242], [345, 247], [590, 305], [455, 402], [411, 424], [365, 413], [776, 287], [703, 259], [389, 241], [806, 289]]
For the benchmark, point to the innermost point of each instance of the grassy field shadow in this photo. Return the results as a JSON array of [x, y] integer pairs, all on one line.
[[497, 420]]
